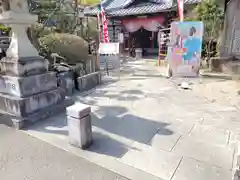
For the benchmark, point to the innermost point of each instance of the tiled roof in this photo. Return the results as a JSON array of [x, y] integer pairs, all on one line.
[[141, 9], [134, 7], [118, 4]]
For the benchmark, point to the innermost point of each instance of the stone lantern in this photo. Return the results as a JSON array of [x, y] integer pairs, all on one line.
[[28, 91]]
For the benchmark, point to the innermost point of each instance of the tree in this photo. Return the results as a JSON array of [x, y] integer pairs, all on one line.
[[212, 15], [59, 13]]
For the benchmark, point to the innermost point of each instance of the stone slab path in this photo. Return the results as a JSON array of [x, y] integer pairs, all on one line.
[[23, 157], [146, 127]]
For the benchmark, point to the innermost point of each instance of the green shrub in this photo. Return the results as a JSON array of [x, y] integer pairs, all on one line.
[[38, 30], [73, 48], [5, 29]]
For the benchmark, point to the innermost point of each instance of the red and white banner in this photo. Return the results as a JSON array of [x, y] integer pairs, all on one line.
[[105, 26], [181, 9]]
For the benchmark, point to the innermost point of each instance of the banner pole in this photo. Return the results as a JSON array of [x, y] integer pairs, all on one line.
[[159, 47]]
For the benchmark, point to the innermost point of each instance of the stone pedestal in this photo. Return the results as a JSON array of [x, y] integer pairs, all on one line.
[[79, 125], [138, 53], [28, 91]]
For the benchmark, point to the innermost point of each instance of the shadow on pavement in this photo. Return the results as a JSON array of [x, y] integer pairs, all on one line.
[[114, 130]]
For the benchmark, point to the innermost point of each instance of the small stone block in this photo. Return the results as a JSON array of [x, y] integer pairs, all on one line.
[[78, 110], [89, 81], [80, 131]]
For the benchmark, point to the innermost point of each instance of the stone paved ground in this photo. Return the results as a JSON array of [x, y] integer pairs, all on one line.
[[26, 158], [220, 91], [145, 127]]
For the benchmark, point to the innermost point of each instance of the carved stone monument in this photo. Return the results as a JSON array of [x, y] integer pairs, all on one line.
[[28, 91]]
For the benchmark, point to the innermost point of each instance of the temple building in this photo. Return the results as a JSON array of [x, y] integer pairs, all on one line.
[[139, 21]]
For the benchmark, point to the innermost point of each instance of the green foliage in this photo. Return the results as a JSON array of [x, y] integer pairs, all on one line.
[[88, 2], [4, 28], [212, 15], [90, 31], [63, 12], [73, 48], [47, 5], [65, 23]]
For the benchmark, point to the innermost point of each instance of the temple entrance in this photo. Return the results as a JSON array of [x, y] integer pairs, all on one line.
[[145, 40], [143, 34]]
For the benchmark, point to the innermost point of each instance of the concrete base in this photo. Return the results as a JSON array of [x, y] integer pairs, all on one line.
[[23, 107], [220, 64], [22, 122]]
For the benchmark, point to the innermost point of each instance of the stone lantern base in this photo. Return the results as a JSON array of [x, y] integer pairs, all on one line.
[[28, 91], [20, 122]]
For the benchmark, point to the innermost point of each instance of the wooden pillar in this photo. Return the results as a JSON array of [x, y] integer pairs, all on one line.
[[129, 43], [152, 39], [114, 33]]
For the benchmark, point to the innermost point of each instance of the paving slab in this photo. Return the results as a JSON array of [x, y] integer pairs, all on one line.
[[153, 107], [180, 126], [128, 126], [234, 139], [163, 142], [223, 123], [210, 135], [157, 162], [207, 153], [233, 115], [190, 169]]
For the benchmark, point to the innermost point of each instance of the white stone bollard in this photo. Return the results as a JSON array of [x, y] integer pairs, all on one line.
[[79, 125]]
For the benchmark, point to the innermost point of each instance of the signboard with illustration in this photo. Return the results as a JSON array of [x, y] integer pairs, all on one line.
[[184, 54]]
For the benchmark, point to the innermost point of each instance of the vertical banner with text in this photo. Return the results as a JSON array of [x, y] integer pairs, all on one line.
[[105, 25]]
